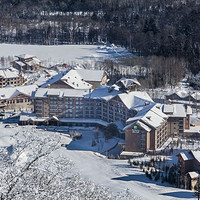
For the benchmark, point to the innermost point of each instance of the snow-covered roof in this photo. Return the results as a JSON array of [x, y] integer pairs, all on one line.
[[44, 92], [182, 93], [41, 81], [186, 156], [90, 75], [178, 110], [134, 99], [7, 73], [152, 116], [69, 77], [25, 56], [32, 62], [196, 155], [103, 92], [73, 79], [189, 110], [194, 120], [7, 93], [140, 124], [20, 63], [128, 82], [193, 175], [168, 108]]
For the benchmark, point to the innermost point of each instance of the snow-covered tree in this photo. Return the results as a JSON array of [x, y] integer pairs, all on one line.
[[32, 168]]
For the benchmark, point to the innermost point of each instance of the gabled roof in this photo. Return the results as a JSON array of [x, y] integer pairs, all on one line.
[[8, 93], [69, 77], [140, 124], [128, 82], [91, 75]]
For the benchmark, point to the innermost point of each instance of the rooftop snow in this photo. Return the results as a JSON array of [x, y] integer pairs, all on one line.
[[43, 92], [178, 110], [126, 82], [151, 115], [69, 77], [7, 93], [186, 156], [7, 73], [135, 98], [196, 155], [90, 75], [73, 79], [193, 174], [103, 92], [25, 56], [168, 108]]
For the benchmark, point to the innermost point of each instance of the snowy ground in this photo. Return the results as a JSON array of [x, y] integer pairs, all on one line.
[[114, 174], [69, 54]]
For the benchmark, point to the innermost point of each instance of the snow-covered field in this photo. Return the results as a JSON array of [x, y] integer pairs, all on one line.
[[69, 54], [114, 174]]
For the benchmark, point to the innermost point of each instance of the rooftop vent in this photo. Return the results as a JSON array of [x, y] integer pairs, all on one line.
[[146, 103], [148, 117]]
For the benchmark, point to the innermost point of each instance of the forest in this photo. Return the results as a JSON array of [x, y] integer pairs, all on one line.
[[156, 28]]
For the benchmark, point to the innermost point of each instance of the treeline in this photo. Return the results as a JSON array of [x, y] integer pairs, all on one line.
[[165, 28]]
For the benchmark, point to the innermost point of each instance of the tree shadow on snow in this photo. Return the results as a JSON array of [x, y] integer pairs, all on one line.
[[140, 178], [180, 194]]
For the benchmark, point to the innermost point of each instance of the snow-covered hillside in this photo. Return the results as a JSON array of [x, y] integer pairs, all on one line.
[[69, 54], [114, 174]]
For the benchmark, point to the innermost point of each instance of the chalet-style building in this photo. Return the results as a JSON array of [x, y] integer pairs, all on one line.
[[147, 130], [188, 169], [26, 62], [9, 77], [178, 119], [128, 84], [77, 79], [17, 98]]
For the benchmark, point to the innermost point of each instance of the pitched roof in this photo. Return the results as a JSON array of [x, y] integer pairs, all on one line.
[[7, 93], [69, 77], [135, 99], [151, 116], [196, 155], [91, 75], [193, 174], [128, 82], [7, 73]]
